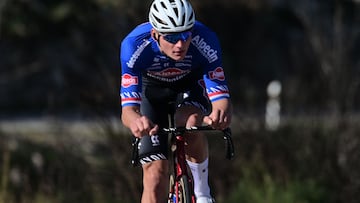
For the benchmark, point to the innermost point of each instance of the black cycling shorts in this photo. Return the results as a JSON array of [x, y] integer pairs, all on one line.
[[156, 97]]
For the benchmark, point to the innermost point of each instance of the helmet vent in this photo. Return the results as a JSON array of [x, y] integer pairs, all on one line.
[[163, 4]]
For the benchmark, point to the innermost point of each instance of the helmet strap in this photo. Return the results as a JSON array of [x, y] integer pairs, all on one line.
[[157, 38]]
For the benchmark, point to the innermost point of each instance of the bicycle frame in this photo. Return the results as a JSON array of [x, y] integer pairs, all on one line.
[[181, 186], [180, 165], [181, 182]]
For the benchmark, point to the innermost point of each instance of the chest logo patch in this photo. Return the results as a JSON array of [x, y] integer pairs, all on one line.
[[169, 72]]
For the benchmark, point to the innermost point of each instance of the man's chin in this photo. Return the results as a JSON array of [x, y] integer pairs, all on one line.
[[177, 57]]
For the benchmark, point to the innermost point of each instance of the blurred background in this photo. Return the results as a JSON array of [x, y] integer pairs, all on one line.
[[293, 69]]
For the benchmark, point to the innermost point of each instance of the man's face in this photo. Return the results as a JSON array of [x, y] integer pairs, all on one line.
[[174, 45]]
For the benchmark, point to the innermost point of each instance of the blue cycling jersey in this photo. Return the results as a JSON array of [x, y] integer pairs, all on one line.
[[140, 55]]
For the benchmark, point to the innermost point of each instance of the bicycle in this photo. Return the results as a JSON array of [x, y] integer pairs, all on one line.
[[181, 183]]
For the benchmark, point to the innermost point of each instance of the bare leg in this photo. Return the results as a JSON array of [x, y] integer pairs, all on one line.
[[196, 143], [155, 182]]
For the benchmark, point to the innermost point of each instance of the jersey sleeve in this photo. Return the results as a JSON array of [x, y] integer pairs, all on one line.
[[214, 77], [130, 88]]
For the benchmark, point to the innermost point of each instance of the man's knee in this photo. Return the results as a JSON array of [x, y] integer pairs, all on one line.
[[188, 116], [156, 173]]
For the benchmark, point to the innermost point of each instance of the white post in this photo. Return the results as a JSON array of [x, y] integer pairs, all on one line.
[[272, 114]]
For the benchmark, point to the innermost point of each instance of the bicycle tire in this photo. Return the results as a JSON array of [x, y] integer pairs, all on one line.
[[171, 190], [187, 192], [182, 193]]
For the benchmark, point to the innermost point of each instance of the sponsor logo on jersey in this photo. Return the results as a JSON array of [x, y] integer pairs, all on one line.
[[208, 52], [155, 140], [128, 80], [137, 53], [217, 74], [169, 73]]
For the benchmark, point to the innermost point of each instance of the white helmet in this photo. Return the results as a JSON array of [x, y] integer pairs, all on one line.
[[171, 15]]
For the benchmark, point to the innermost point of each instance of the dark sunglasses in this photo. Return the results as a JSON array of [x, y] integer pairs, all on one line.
[[175, 37]]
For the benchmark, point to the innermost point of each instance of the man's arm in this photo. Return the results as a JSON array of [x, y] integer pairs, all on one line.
[[138, 124], [220, 116]]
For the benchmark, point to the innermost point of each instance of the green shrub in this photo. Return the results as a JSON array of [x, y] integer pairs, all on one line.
[[268, 190]]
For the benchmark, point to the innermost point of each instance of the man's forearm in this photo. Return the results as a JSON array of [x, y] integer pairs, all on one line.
[[129, 114]]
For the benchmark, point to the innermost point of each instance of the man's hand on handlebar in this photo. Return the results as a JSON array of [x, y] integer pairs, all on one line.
[[143, 126], [220, 116], [218, 119]]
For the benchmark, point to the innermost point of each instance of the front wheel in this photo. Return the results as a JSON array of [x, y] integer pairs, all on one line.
[[172, 196], [180, 191]]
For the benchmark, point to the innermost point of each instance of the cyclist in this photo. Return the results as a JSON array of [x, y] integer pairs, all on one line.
[[175, 58]]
